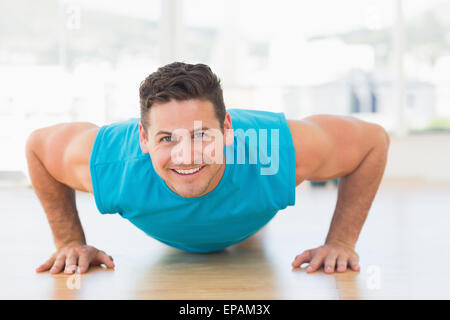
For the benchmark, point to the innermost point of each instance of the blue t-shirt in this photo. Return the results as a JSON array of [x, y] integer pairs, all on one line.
[[258, 181]]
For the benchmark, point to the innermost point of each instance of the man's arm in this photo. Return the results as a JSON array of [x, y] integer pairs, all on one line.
[[328, 147], [58, 163]]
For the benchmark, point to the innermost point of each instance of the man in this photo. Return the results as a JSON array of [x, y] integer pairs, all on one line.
[[198, 178]]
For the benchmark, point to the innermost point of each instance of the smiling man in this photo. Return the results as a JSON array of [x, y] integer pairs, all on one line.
[[200, 178]]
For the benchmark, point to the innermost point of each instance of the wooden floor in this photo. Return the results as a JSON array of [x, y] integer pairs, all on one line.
[[404, 250]]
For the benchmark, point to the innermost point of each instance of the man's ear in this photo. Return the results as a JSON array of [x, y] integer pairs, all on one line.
[[143, 138], [228, 130]]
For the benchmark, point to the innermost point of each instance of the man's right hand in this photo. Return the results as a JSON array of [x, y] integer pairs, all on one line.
[[58, 161], [71, 257]]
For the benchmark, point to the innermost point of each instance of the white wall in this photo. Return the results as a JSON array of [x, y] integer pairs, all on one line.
[[425, 156]]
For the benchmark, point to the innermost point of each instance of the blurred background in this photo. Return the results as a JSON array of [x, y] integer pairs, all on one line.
[[385, 61]]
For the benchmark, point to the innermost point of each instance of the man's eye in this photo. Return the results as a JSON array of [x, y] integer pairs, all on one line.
[[166, 137], [199, 135]]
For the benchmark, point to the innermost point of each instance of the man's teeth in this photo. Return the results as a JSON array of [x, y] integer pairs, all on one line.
[[188, 171]]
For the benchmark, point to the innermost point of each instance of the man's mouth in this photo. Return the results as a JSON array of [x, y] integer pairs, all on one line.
[[188, 172]]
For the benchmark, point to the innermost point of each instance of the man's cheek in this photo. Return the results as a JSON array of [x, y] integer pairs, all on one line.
[[161, 160], [212, 154]]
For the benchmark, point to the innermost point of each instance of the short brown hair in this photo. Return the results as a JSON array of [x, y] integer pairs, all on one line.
[[181, 81]]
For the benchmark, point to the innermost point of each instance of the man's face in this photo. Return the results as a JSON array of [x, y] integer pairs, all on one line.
[[186, 144]]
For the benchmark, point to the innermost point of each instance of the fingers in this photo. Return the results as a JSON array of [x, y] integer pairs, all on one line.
[[353, 261], [331, 257], [100, 257], [67, 259], [59, 264], [317, 260], [342, 262], [83, 261], [71, 263], [304, 257], [330, 262], [105, 259], [46, 265]]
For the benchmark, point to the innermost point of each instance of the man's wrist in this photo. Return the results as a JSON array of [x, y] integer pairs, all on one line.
[[70, 242], [341, 242]]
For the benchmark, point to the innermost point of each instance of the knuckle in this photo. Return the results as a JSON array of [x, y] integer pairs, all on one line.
[[344, 257], [316, 262], [318, 253], [332, 252], [323, 254], [355, 257], [349, 252], [83, 250]]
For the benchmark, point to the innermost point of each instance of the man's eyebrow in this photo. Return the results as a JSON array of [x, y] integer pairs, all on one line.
[[170, 133]]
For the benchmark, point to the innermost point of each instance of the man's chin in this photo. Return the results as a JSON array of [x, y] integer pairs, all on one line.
[[190, 193]]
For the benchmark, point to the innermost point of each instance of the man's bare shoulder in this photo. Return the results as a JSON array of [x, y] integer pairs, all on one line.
[[65, 149], [330, 146], [77, 155], [309, 144]]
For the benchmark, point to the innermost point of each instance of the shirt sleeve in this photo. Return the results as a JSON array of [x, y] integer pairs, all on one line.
[[287, 152], [102, 175]]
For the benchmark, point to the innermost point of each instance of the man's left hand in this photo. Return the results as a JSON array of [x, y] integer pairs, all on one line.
[[331, 255]]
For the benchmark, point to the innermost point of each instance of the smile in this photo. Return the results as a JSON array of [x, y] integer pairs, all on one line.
[[189, 172]]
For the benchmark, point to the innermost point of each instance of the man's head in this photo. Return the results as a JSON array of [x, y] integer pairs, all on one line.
[[183, 122], [181, 81]]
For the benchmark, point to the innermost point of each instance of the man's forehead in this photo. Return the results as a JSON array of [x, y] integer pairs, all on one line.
[[187, 117], [197, 127]]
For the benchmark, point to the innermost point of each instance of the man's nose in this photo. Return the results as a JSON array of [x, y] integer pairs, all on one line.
[[187, 152]]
